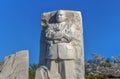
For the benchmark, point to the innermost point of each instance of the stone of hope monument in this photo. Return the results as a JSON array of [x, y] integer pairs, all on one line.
[[61, 46]]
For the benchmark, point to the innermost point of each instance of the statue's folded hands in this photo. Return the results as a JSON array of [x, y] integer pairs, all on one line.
[[58, 35]]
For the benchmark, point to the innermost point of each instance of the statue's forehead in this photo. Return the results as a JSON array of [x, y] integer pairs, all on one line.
[[60, 12]]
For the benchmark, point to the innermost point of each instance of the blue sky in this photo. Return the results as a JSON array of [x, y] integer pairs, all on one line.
[[20, 25]]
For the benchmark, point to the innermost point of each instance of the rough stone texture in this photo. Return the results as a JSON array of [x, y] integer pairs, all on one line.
[[42, 71], [15, 66], [62, 49], [1, 63]]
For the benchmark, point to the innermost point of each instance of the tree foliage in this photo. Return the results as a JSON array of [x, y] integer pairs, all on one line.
[[32, 70]]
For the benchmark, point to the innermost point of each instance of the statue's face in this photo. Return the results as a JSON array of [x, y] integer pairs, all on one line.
[[60, 16]]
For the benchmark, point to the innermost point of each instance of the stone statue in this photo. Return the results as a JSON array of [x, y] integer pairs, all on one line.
[[62, 45]]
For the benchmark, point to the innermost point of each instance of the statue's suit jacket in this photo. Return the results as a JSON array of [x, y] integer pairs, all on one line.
[[63, 48]]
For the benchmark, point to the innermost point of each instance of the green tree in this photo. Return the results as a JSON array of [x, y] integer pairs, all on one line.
[[108, 62], [32, 70]]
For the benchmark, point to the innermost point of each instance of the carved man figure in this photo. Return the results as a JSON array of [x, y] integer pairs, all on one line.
[[60, 51], [61, 46]]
